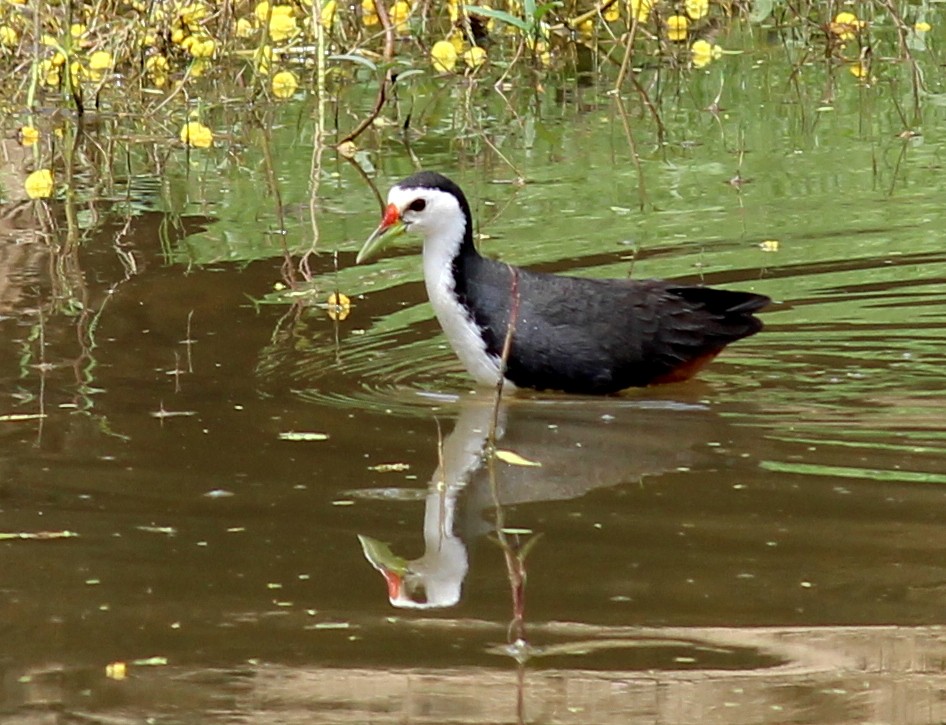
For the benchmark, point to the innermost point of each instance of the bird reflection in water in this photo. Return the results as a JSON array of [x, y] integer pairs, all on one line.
[[580, 444]]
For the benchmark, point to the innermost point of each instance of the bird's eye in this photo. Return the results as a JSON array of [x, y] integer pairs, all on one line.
[[417, 205]]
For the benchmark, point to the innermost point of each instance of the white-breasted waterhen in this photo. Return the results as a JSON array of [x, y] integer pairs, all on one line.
[[570, 334]]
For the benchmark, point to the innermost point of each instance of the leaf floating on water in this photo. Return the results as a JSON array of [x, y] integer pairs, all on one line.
[[769, 245], [219, 493], [151, 662], [36, 535], [330, 625], [16, 417], [172, 413], [514, 459], [302, 436], [390, 467], [168, 530]]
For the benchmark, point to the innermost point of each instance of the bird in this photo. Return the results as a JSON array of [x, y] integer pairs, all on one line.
[[569, 334]]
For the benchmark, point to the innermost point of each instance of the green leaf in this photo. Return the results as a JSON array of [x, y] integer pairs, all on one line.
[[499, 15], [761, 9], [355, 58]]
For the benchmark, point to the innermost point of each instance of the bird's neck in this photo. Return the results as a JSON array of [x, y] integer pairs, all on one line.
[[450, 263]]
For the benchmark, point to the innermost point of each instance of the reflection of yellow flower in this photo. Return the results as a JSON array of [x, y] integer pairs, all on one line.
[[920, 27], [702, 53], [196, 134], [677, 26], [39, 184], [444, 56], [474, 57], [28, 135], [697, 9], [338, 306], [846, 26], [284, 84]]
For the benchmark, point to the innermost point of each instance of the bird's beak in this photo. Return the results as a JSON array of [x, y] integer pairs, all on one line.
[[390, 228]]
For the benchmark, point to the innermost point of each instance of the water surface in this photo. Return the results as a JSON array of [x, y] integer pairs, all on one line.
[[187, 459]]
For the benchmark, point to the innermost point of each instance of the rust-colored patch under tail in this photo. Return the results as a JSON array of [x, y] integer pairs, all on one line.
[[686, 370]]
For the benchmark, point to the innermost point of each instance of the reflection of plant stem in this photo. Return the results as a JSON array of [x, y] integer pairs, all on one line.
[[513, 553], [635, 157], [288, 268], [42, 378]]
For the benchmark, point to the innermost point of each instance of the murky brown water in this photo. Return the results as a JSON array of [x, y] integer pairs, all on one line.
[[761, 545]]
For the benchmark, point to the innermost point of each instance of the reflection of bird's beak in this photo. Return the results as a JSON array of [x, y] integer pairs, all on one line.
[[390, 228], [394, 581]]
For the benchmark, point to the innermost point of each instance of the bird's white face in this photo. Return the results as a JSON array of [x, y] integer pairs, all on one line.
[[431, 213]]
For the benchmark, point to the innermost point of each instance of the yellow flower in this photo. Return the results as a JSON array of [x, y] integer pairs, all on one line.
[[677, 27], [282, 26], [702, 53], [157, 67], [920, 27], [586, 28], [859, 69], [8, 36], [198, 67], [328, 14], [846, 26], [369, 13], [263, 11], [191, 15], [77, 30], [39, 184], [177, 36], [443, 56], [284, 84], [641, 10], [612, 12], [202, 46], [58, 59], [697, 9], [244, 28], [28, 135], [196, 134], [399, 15], [100, 60], [77, 72], [49, 73], [474, 57]]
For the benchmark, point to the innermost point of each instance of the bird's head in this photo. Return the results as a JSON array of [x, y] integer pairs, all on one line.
[[433, 213]]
